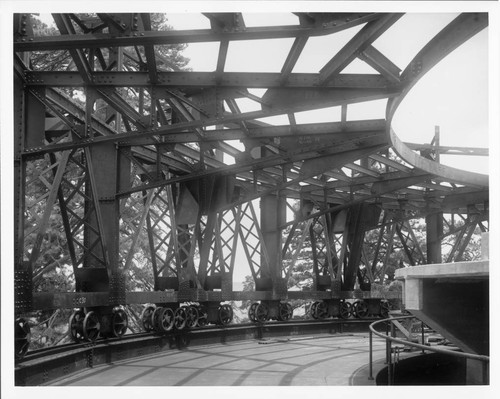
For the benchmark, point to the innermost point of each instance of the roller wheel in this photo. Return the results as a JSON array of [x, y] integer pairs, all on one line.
[[251, 312], [202, 316], [360, 309], [384, 309], [180, 318], [76, 325], [91, 326], [120, 323], [286, 311], [165, 320], [313, 310], [22, 337], [262, 313], [147, 318], [225, 315], [345, 310], [192, 316], [321, 311], [155, 319]]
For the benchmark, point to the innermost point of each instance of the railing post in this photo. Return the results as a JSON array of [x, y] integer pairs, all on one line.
[[387, 353], [370, 376], [392, 364], [389, 364], [422, 333]]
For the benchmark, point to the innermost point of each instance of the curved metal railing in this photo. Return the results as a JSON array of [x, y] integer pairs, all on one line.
[[392, 339]]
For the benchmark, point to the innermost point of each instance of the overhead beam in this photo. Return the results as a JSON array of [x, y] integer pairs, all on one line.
[[93, 40], [183, 79], [353, 147], [341, 98], [448, 150], [364, 38], [64, 25], [332, 130], [292, 58], [381, 63]]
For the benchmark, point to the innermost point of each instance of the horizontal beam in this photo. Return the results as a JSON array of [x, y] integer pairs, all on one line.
[[311, 152], [333, 130], [449, 150], [50, 43], [346, 96], [202, 79]]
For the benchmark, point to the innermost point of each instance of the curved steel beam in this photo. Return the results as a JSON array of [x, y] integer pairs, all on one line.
[[460, 30]]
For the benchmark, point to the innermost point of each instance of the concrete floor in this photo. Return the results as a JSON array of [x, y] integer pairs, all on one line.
[[334, 360]]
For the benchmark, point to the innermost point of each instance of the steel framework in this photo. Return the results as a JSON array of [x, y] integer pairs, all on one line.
[[140, 170]]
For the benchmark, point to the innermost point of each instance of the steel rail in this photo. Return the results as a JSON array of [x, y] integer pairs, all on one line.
[[473, 356]]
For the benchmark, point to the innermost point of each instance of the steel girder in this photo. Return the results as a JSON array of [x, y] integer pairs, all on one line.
[[138, 149]]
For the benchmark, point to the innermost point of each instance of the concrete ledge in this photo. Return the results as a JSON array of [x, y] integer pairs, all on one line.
[[444, 270]]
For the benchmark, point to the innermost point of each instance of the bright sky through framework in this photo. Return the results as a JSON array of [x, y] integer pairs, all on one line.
[[453, 95]]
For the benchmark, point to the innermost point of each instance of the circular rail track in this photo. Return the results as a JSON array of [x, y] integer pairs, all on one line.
[[43, 365]]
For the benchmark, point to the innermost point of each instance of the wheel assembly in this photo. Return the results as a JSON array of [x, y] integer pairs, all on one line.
[[165, 320], [313, 310], [91, 326], [76, 325], [360, 309], [225, 314], [262, 313], [251, 312], [180, 318], [147, 318], [202, 316], [22, 337], [155, 319], [286, 311], [384, 309], [345, 310], [321, 311], [191, 316], [119, 322]]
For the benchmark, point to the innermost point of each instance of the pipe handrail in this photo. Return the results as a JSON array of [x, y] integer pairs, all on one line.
[[473, 356]]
